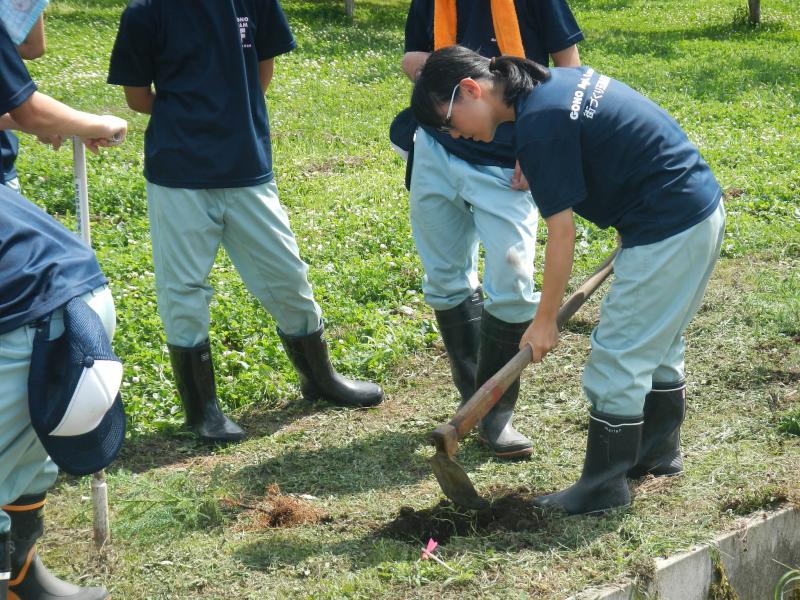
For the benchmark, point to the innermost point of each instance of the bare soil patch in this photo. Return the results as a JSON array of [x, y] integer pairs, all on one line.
[[509, 511]]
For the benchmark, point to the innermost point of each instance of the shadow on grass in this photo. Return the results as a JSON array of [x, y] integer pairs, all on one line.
[[748, 377], [580, 325], [603, 5], [174, 444], [469, 531], [377, 461]]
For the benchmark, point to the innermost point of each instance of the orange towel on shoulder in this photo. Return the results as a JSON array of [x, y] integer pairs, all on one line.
[[504, 18]]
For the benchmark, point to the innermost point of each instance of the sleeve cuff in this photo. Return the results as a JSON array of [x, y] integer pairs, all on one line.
[[565, 43], [273, 52], [21, 96], [551, 210]]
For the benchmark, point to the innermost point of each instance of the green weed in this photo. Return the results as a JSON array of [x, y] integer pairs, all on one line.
[[790, 423], [167, 508]]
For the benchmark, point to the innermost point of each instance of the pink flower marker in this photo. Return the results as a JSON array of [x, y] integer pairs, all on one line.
[[427, 553]]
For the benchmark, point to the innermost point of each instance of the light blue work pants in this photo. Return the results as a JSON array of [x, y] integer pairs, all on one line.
[[25, 468], [187, 227], [454, 205], [656, 291]]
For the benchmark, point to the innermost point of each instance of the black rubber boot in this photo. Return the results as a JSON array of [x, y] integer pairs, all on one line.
[[664, 410], [499, 344], [5, 565], [612, 448], [318, 378], [461, 333], [30, 579], [194, 378]]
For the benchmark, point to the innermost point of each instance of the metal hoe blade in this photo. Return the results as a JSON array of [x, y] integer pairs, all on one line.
[[455, 482], [452, 478]]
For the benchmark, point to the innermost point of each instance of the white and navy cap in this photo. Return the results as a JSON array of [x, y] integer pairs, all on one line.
[[73, 393]]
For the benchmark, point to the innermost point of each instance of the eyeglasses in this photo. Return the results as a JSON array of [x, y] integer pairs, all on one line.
[[446, 127]]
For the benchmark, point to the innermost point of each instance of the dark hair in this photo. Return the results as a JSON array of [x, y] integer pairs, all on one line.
[[448, 66]]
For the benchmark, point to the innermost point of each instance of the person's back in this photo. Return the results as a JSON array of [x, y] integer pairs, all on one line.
[[32, 47], [210, 182], [42, 264], [209, 126], [636, 171]]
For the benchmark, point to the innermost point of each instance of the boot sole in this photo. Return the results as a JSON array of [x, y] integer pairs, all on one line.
[[218, 440], [596, 512], [521, 453], [656, 474], [333, 402], [313, 396]]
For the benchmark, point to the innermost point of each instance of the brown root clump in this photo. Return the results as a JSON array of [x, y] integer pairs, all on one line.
[[275, 510]]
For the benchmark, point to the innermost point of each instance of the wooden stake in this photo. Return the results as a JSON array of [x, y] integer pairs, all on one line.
[[101, 523]]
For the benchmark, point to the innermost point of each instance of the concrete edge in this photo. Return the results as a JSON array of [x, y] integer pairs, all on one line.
[[753, 554]]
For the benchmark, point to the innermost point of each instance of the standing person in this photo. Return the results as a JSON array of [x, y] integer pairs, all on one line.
[[23, 108], [42, 266], [468, 191], [590, 145], [32, 47], [208, 166], [58, 267]]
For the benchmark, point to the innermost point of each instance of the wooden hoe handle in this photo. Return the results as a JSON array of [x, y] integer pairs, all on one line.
[[446, 436]]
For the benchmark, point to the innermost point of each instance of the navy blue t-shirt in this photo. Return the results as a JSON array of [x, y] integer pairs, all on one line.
[[9, 148], [42, 263], [16, 86], [209, 127], [590, 143], [546, 27]]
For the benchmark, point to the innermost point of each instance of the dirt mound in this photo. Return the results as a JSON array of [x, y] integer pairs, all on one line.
[[275, 509], [510, 511]]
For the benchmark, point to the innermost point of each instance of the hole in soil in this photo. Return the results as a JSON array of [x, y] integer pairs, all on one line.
[[510, 510]]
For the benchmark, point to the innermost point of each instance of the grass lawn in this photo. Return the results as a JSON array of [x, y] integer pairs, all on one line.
[[195, 522]]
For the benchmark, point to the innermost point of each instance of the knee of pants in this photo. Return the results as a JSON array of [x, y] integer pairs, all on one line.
[[513, 308], [291, 303], [185, 331], [443, 295], [671, 368], [299, 323], [669, 374], [185, 315], [614, 391], [5, 522]]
